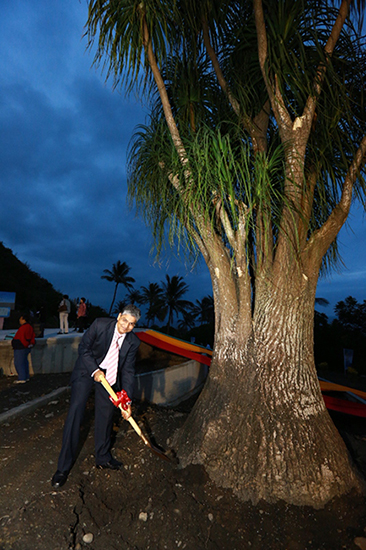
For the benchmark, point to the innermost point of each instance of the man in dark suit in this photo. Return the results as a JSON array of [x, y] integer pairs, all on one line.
[[108, 349]]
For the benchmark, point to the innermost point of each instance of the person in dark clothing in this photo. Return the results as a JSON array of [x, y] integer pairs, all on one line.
[[22, 343], [107, 349]]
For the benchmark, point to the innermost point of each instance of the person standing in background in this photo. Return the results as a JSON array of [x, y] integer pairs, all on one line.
[[81, 316], [64, 309], [22, 343]]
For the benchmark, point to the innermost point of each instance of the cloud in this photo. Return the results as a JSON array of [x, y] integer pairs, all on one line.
[[63, 148]]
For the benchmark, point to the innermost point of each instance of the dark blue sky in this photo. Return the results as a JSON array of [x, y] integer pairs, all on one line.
[[64, 135]]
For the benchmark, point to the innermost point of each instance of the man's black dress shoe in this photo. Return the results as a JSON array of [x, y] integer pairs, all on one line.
[[59, 479], [112, 464]]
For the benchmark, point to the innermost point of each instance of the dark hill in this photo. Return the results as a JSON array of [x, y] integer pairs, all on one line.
[[33, 292]]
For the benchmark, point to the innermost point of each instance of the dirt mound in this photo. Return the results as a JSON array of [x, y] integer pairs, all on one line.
[[149, 505]]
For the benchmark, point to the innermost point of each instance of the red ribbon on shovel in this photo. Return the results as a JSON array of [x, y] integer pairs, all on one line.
[[122, 401]]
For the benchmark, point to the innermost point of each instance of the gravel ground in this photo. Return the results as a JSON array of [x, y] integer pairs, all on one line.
[[151, 503]]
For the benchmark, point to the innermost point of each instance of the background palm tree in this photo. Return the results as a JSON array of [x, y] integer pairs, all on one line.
[[322, 302], [119, 307], [133, 297], [188, 320], [204, 310], [119, 276], [151, 295], [173, 290]]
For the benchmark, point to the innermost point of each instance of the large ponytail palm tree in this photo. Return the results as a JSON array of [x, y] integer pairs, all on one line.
[[254, 164]]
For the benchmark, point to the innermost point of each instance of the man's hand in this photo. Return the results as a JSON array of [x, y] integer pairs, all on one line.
[[98, 375], [126, 414]]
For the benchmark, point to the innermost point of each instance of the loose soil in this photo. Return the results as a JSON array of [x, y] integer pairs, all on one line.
[[151, 503]]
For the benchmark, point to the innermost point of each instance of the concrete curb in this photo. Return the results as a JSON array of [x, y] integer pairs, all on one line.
[[31, 405]]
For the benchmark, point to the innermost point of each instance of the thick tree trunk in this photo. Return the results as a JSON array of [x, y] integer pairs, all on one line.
[[260, 425]]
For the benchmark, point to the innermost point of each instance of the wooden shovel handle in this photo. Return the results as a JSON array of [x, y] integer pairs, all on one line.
[[107, 386], [134, 424]]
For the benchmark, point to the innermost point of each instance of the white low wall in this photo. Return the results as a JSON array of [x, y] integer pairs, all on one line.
[[168, 386], [49, 355], [172, 385]]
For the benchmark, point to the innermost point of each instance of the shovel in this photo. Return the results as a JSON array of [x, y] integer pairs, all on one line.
[[135, 426]]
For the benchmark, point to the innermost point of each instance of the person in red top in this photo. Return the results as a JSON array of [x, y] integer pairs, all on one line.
[[22, 343], [81, 315]]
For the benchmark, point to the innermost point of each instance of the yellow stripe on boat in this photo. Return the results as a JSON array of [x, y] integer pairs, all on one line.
[[177, 342], [330, 386]]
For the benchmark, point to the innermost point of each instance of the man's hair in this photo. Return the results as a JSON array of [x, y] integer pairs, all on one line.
[[130, 309]]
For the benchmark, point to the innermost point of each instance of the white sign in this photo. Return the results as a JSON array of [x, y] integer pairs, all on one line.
[[4, 311]]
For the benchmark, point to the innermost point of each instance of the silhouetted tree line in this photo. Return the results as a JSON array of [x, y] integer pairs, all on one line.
[[165, 302], [34, 294], [346, 331]]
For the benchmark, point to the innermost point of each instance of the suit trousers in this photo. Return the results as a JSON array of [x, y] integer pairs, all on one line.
[[81, 388]]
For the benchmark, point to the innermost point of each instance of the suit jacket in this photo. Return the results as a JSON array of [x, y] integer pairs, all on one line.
[[94, 346]]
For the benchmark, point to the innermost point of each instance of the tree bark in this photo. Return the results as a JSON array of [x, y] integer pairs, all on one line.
[[260, 426]]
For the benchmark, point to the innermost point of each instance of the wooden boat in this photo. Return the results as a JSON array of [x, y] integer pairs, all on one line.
[[336, 397]]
